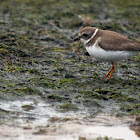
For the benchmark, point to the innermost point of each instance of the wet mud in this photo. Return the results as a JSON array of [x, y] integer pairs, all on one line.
[[45, 76]]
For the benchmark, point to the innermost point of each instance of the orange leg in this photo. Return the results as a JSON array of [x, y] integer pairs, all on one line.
[[111, 71]]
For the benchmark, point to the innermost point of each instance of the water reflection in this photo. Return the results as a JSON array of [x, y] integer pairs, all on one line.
[[69, 125]]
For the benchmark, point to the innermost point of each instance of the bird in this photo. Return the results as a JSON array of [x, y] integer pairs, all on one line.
[[106, 45]]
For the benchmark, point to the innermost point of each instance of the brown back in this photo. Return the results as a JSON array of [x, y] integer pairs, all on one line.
[[114, 41]]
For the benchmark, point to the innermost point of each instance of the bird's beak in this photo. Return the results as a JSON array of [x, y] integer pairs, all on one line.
[[77, 39]]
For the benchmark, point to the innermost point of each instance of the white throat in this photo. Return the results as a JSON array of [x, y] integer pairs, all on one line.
[[86, 41]]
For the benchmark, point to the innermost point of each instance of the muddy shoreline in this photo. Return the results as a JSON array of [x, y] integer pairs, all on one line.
[[41, 67]]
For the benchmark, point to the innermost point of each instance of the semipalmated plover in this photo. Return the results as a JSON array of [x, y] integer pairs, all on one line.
[[105, 45]]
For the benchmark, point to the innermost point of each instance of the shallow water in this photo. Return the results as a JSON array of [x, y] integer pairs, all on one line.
[[39, 58], [70, 131], [41, 121]]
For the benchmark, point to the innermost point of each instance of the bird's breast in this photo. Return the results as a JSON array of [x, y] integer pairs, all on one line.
[[105, 55]]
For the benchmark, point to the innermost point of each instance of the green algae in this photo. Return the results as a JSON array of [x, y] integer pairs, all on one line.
[[68, 106], [57, 97], [27, 107]]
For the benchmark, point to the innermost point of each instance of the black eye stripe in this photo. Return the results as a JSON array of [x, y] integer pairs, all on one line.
[[85, 35]]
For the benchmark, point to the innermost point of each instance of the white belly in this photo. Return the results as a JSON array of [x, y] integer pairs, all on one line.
[[113, 56]]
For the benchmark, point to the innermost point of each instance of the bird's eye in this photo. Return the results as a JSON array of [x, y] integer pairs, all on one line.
[[85, 35]]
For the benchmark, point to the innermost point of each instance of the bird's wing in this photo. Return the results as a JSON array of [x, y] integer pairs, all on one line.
[[116, 42]]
